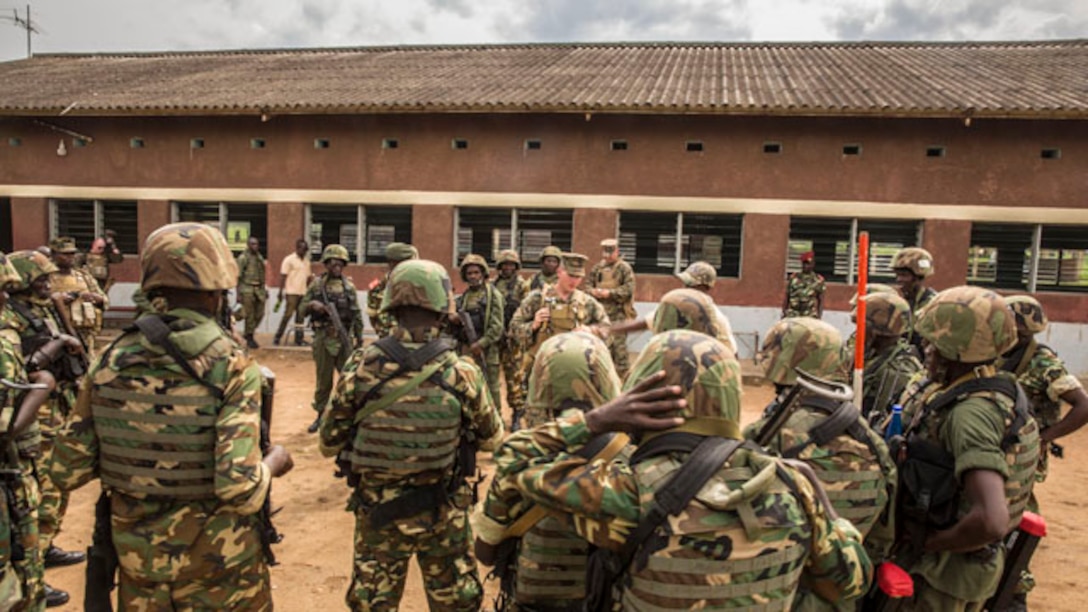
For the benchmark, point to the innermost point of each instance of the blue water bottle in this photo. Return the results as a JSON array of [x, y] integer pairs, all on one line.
[[895, 426]]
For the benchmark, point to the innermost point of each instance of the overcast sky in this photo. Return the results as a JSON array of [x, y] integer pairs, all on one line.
[[152, 25]]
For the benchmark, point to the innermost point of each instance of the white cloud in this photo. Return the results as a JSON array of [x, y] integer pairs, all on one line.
[[144, 25]]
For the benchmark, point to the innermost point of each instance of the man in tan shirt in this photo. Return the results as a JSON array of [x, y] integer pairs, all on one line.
[[295, 276]]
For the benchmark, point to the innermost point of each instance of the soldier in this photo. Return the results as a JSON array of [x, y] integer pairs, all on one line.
[[22, 585], [571, 371], [889, 359], [688, 308], [971, 449], [549, 264], [912, 266], [104, 252], [484, 306], [406, 421], [556, 309], [252, 293], [612, 282], [295, 276], [743, 540], [78, 290], [332, 290], [35, 317], [850, 459], [805, 290], [514, 289], [395, 252], [172, 426]]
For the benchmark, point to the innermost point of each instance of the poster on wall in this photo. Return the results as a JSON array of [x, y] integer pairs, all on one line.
[[237, 235]]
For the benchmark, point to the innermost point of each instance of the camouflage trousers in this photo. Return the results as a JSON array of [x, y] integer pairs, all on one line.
[[491, 371], [242, 588], [330, 354], [31, 569], [253, 300], [440, 540], [510, 360], [53, 502]]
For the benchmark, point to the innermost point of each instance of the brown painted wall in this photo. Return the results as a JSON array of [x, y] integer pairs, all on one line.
[[29, 223], [286, 224], [591, 226]]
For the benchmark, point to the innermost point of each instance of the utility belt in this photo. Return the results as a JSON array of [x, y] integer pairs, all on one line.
[[415, 501]]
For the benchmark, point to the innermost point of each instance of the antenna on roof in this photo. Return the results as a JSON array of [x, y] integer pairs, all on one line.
[[24, 23]]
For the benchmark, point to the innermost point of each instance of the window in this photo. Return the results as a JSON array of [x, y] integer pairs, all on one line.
[[834, 241], [486, 231], [648, 241], [86, 220], [196, 143], [1001, 256], [533, 144], [237, 220], [135, 143], [338, 224]]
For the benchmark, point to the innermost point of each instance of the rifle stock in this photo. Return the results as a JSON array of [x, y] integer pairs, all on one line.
[[471, 336], [269, 534]]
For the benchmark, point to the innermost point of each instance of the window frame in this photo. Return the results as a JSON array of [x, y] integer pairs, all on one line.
[[127, 238], [521, 221], [363, 224], [223, 219], [844, 264], [1044, 238], [682, 241]]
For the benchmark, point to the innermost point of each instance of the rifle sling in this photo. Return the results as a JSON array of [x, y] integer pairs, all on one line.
[[842, 417], [155, 329], [1004, 386]]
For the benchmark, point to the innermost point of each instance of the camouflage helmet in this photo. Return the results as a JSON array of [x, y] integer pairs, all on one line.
[[687, 309], [508, 256], [30, 265], [551, 251], [872, 288], [886, 314], [1028, 312], [698, 274], [419, 282], [335, 251], [9, 276], [915, 259], [708, 372], [472, 259], [801, 343], [187, 256], [572, 370], [967, 324]]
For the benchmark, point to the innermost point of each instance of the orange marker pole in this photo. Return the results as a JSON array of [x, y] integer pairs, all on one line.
[[859, 338]]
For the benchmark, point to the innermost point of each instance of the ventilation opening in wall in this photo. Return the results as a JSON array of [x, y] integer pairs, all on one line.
[[136, 143], [321, 143], [772, 148], [79, 143], [256, 143], [15, 142], [693, 146], [1051, 154], [533, 144], [618, 145], [390, 143], [935, 151], [459, 144], [851, 149], [196, 143]]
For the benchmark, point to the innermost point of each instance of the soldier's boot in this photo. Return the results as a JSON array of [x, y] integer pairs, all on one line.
[[55, 557], [251, 343], [276, 340], [300, 338], [315, 425], [55, 597]]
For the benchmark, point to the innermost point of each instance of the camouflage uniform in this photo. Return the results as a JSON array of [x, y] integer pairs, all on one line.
[[329, 350], [28, 313], [854, 465], [103, 252], [513, 288], [572, 371], [745, 538], [803, 291], [21, 580], [252, 292], [888, 370], [183, 469], [619, 279], [407, 447], [692, 309], [86, 316], [382, 322], [485, 305], [541, 280], [969, 325], [918, 262]]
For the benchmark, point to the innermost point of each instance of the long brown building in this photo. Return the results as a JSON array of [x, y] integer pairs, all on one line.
[[743, 155]]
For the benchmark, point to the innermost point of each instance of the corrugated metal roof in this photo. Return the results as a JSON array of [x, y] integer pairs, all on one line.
[[1001, 79]]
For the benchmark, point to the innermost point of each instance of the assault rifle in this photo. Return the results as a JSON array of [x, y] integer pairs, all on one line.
[[269, 534], [779, 412], [468, 331], [334, 317]]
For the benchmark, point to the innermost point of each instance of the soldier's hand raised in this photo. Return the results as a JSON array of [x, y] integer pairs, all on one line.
[[641, 408]]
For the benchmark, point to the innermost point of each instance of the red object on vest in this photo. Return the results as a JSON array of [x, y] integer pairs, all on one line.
[[373, 283], [1033, 524], [894, 581]]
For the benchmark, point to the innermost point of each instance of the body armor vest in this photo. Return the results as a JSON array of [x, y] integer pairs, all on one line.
[[99, 266], [686, 568], [419, 432], [342, 297], [606, 279], [565, 317], [147, 453], [550, 544], [83, 314]]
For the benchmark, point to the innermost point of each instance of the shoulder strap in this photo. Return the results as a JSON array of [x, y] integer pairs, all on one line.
[[38, 323], [157, 332], [842, 417], [708, 457], [407, 361], [1004, 386]]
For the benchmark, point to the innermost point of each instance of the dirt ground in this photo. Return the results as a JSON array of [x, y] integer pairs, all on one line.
[[315, 555]]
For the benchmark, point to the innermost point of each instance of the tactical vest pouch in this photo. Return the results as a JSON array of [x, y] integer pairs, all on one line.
[[929, 495]]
